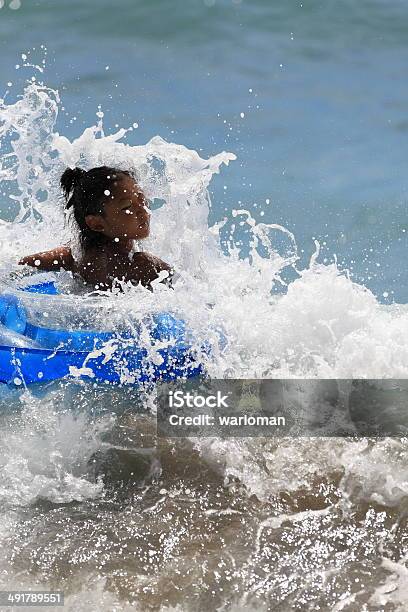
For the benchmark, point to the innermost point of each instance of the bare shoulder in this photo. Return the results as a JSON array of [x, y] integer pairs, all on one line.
[[149, 260], [147, 268]]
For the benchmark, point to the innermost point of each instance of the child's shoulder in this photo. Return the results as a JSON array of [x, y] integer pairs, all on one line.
[[142, 257]]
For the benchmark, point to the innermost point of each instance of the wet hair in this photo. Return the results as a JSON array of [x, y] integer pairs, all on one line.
[[85, 193]]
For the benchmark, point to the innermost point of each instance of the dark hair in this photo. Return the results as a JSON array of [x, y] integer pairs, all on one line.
[[85, 193]]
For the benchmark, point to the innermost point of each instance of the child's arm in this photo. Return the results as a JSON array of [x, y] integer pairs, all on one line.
[[58, 258]]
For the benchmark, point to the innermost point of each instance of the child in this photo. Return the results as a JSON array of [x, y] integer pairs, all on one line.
[[111, 211]]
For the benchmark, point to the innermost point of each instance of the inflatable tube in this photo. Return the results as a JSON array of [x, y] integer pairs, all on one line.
[[31, 353]]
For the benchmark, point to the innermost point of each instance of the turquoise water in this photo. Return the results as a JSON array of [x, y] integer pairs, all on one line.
[[323, 138]]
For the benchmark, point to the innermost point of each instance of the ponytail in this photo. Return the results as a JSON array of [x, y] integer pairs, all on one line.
[[69, 180]]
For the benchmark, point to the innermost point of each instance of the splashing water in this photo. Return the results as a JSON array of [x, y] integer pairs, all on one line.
[[45, 454], [298, 500], [311, 330]]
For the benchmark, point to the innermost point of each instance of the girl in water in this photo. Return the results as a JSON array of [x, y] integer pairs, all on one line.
[[111, 212]]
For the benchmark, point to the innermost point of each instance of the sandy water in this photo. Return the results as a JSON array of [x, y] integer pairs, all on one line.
[[96, 506]]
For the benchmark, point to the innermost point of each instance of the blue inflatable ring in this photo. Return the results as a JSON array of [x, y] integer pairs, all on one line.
[[101, 356]]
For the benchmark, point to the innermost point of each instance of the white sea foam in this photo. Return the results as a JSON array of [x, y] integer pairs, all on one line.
[[322, 325], [45, 449]]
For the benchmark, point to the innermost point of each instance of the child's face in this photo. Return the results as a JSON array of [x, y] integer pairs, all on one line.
[[125, 214]]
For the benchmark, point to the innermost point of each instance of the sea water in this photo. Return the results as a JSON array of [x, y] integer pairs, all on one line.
[[91, 501]]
